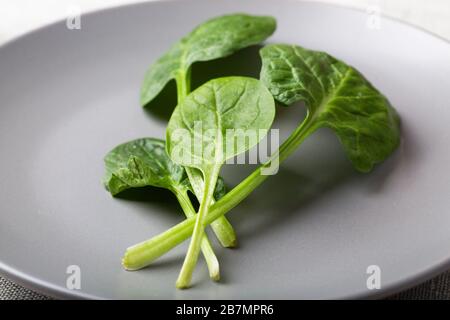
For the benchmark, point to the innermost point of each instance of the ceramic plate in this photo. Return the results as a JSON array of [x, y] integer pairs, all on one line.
[[68, 96]]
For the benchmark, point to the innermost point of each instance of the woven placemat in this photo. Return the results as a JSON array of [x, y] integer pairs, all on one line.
[[11, 291], [437, 288]]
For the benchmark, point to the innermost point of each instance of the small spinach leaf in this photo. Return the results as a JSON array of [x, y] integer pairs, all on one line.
[[216, 38], [337, 96], [218, 112], [142, 162]]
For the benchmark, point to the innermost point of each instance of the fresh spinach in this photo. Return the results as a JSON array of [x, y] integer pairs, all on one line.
[[337, 96], [223, 106], [342, 100], [216, 38], [144, 162], [140, 163]]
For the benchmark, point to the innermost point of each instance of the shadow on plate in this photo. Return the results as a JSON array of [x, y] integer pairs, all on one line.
[[243, 63], [163, 199], [288, 193]]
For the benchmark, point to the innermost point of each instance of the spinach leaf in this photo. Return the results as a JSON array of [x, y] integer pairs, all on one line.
[[216, 38], [337, 96], [144, 162], [224, 108], [140, 163]]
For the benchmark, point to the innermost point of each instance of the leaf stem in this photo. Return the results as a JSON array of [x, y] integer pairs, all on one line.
[[146, 252], [183, 80], [211, 260], [185, 276], [221, 227], [207, 250]]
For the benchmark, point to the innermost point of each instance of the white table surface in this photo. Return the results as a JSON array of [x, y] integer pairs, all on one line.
[[20, 16]]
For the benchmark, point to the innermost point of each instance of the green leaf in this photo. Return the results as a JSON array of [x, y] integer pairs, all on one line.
[[204, 128], [216, 38], [144, 162], [337, 96]]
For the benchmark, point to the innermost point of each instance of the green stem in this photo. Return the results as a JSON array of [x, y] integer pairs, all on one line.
[[146, 252], [185, 276], [207, 250], [130, 263], [222, 227], [183, 80]]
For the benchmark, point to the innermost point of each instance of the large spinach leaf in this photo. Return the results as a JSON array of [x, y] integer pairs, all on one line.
[[216, 38], [337, 96]]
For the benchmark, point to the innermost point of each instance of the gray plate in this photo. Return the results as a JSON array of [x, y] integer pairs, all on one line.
[[69, 96]]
